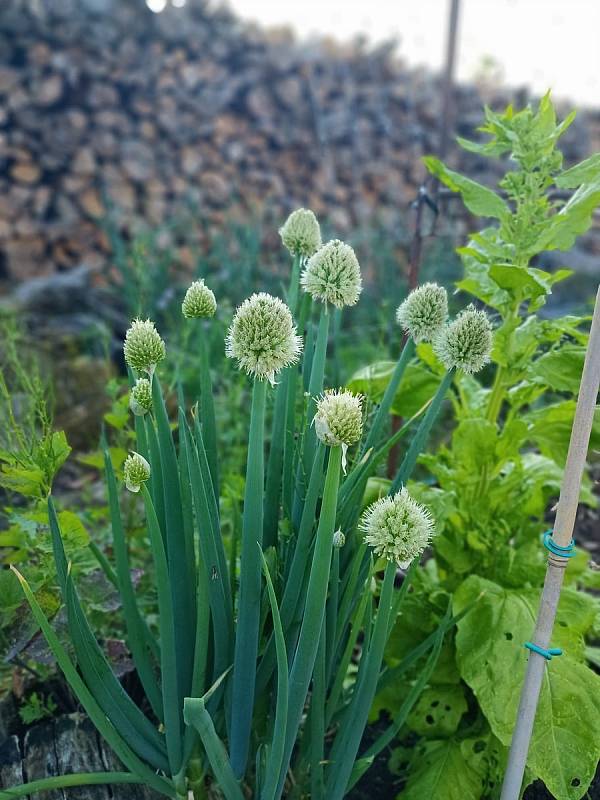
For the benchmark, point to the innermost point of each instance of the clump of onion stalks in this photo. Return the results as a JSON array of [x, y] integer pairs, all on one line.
[[255, 631]]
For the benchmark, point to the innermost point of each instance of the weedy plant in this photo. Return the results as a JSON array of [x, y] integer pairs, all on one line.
[[253, 684], [491, 484]]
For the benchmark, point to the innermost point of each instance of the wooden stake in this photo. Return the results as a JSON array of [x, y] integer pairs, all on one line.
[[562, 533]]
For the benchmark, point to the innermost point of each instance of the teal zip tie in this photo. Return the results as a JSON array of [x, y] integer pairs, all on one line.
[[557, 550], [547, 654]]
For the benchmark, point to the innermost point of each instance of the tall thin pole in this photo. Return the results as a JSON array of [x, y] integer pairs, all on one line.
[[561, 536], [448, 105], [428, 191]]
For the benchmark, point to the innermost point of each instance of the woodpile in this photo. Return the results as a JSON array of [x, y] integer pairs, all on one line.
[[107, 106]]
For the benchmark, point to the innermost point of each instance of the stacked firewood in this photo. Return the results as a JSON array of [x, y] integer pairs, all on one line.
[[107, 107]]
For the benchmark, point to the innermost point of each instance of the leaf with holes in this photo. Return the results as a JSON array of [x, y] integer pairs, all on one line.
[[565, 746], [438, 711]]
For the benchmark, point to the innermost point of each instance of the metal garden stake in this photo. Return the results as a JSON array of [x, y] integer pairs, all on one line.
[[560, 545]]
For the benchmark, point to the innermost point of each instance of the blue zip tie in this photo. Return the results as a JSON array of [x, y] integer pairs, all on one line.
[[547, 654], [557, 550], [563, 552]]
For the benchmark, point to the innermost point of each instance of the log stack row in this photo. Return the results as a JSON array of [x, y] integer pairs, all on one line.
[[107, 107]]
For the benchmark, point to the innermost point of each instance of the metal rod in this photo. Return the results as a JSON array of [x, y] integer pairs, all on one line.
[[562, 533], [428, 191], [448, 87], [423, 197]]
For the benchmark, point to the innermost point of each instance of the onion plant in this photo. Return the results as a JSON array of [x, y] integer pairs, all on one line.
[[269, 650]]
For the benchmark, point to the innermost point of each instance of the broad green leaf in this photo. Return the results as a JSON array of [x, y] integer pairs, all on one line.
[[550, 428], [587, 171], [28, 481], [565, 746], [572, 220], [438, 711], [96, 459], [477, 282], [528, 282], [375, 488], [59, 451], [417, 387], [478, 199], [441, 772], [560, 369]]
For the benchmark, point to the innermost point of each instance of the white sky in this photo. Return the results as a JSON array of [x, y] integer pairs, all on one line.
[[542, 43]]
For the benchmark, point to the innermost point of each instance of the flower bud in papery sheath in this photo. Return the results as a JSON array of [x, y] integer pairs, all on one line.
[[332, 275], [301, 233], [143, 347], [339, 540], [338, 421], [140, 397], [262, 337], [424, 312], [136, 471], [199, 301], [466, 342], [397, 528]]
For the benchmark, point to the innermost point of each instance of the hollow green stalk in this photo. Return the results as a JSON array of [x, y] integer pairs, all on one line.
[[290, 447], [295, 578], [207, 411], [246, 642], [315, 387], [420, 438], [169, 672], [57, 782], [351, 730], [383, 411], [314, 609]]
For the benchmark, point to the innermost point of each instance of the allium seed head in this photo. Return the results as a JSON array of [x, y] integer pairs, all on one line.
[[140, 397], [136, 470], [301, 233], [339, 540], [143, 347], [262, 337], [338, 421], [199, 301], [424, 312], [397, 528], [466, 342], [332, 275]]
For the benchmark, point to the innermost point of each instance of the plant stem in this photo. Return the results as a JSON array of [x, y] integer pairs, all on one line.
[[498, 391], [314, 610], [207, 412], [292, 298], [315, 387], [66, 781], [420, 438], [346, 746], [388, 398], [246, 642]]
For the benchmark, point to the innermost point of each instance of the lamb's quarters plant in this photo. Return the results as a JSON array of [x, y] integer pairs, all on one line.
[[492, 483], [261, 662]]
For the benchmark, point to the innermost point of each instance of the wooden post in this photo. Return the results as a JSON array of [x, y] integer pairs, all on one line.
[[562, 534]]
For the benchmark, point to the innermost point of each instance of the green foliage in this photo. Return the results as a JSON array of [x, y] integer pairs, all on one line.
[[247, 659], [36, 707], [494, 477], [564, 744], [30, 452], [455, 769]]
